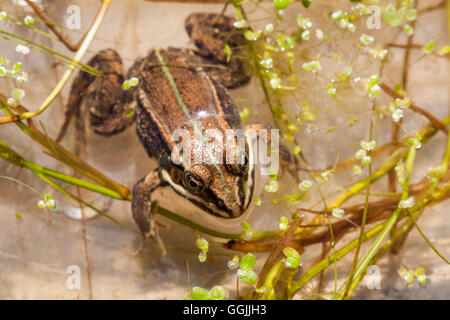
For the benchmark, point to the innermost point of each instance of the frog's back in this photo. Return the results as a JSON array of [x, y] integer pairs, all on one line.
[[171, 95]]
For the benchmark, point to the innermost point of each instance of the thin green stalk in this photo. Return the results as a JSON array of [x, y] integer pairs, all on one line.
[[396, 236], [323, 264], [425, 238], [77, 182], [79, 54], [41, 32], [443, 169], [448, 17], [356, 188], [364, 216], [10, 155], [271, 279], [69, 158], [79, 200], [362, 266], [418, 207], [426, 133], [63, 57], [446, 159], [251, 49]]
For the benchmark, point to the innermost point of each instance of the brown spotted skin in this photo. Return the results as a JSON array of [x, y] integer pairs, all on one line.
[[206, 101], [159, 113]]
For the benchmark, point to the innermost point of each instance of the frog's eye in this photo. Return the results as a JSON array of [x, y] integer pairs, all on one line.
[[240, 167], [194, 183]]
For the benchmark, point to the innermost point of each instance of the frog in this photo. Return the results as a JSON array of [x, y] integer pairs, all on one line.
[[176, 87]]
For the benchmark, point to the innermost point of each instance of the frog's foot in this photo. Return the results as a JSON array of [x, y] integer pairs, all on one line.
[[143, 208], [211, 33], [153, 234]]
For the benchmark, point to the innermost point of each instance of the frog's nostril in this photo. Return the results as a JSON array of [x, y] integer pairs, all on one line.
[[220, 203]]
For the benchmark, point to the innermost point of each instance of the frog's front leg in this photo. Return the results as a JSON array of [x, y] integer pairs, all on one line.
[[141, 205]]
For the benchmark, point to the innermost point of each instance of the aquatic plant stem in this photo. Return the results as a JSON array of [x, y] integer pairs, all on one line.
[[78, 56], [10, 155], [435, 196], [81, 201], [62, 57], [251, 49], [399, 234], [443, 169], [362, 266], [324, 263], [356, 188], [65, 156], [448, 17], [425, 238], [433, 120], [271, 279], [364, 216], [52, 26]]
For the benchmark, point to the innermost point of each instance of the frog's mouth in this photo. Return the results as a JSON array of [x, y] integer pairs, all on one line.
[[207, 206], [210, 206]]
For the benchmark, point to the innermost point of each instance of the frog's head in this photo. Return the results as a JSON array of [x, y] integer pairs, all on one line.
[[221, 189]]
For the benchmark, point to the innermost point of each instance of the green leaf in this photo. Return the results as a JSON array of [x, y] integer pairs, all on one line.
[[17, 93], [306, 3], [291, 263], [129, 113], [246, 227], [200, 294], [202, 244], [218, 293], [291, 252], [126, 85], [227, 51], [281, 4], [248, 276], [248, 261], [187, 296], [17, 66]]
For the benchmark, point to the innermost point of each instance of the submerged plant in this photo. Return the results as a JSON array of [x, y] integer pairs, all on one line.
[[307, 74]]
